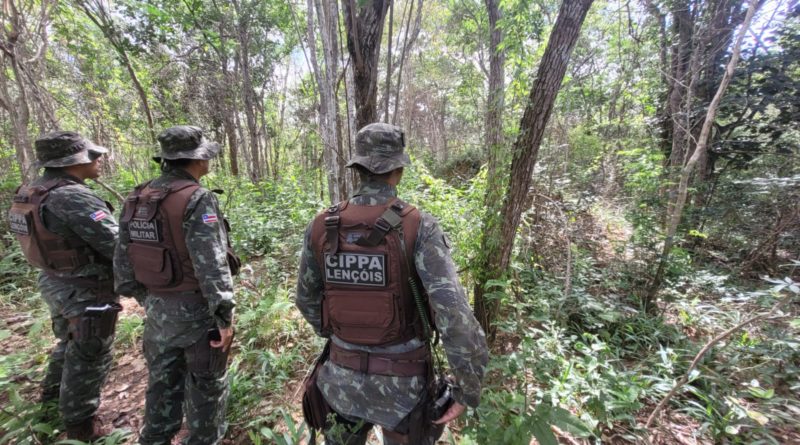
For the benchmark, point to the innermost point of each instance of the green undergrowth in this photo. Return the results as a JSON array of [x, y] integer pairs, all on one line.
[[592, 364], [601, 365]]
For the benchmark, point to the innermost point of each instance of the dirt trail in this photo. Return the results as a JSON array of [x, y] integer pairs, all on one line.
[[122, 402]]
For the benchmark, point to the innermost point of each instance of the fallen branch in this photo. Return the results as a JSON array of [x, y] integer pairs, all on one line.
[[724, 335]]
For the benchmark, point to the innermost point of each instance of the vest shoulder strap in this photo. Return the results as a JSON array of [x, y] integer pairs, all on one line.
[[392, 218], [129, 206]]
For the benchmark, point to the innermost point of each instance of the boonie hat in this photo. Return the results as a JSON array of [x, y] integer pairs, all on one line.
[[186, 142], [379, 148], [65, 148]]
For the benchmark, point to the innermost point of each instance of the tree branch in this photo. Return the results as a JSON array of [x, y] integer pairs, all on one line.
[[724, 335]]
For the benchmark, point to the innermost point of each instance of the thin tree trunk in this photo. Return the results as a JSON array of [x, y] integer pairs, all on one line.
[[388, 65], [674, 218], [327, 23], [100, 17], [497, 252], [364, 30], [407, 44], [22, 57]]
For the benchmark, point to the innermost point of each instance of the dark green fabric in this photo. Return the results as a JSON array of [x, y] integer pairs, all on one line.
[[387, 400], [76, 370], [65, 148], [186, 142], [379, 149]]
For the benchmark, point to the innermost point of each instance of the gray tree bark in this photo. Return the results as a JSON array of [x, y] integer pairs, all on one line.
[[496, 256], [364, 25]]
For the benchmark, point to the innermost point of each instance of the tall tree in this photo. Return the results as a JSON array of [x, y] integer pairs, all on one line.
[[99, 15], [326, 75], [244, 38], [497, 248], [677, 204], [364, 23], [23, 48]]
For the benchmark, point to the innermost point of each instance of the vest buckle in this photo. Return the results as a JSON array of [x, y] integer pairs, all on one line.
[[383, 225]]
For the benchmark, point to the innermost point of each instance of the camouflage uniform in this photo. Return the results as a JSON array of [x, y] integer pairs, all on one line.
[[175, 330], [77, 368], [369, 399]]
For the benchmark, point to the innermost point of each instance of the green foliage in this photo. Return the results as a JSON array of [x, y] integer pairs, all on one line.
[[22, 422], [268, 217], [293, 434], [130, 329], [458, 209]]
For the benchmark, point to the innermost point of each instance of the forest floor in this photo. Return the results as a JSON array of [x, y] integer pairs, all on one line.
[[26, 330]]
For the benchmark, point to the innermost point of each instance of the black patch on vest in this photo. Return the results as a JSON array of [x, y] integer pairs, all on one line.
[[359, 269], [142, 211], [144, 231], [352, 237], [19, 223]]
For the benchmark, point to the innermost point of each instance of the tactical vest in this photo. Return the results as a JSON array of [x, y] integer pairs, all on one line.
[[367, 297], [42, 248], [153, 220]]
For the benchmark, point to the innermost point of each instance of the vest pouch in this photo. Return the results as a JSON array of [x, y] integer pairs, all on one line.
[[63, 261], [21, 223], [152, 265], [363, 317]]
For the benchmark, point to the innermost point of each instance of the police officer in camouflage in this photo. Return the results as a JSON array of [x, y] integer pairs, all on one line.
[[174, 257], [69, 233], [360, 259]]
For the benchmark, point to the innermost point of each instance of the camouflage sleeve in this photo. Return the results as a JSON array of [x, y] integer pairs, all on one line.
[[87, 216], [462, 337], [124, 280], [207, 243], [309, 285]]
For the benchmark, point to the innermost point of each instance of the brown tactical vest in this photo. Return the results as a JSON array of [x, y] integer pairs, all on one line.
[[367, 298], [42, 248], [153, 221]]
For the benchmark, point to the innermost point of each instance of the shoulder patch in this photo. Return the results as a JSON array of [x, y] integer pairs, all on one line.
[[98, 215], [209, 218]]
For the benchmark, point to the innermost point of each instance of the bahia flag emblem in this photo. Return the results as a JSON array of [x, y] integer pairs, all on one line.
[[98, 216], [209, 218]]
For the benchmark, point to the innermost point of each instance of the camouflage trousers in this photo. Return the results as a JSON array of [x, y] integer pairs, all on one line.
[[76, 369], [351, 431], [182, 378]]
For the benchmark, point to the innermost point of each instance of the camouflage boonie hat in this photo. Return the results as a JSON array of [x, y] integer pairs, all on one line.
[[65, 148], [186, 142], [379, 149]]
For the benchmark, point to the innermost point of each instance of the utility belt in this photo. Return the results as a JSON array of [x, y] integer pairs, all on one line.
[[98, 320], [191, 297], [104, 289], [405, 364]]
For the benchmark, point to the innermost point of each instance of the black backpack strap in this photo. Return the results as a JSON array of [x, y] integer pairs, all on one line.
[[131, 202], [392, 218], [332, 229]]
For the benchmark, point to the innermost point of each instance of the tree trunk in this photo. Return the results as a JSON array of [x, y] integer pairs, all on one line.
[[408, 43], [21, 54], [97, 13], [327, 24], [676, 209], [364, 25], [498, 247]]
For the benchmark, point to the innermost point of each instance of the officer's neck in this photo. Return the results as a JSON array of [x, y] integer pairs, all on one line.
[[196, 169], [395, 177], [79, 172]]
